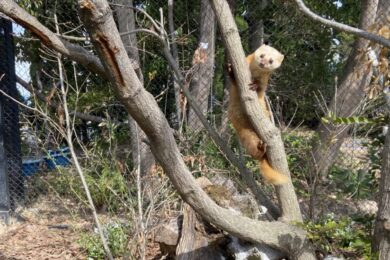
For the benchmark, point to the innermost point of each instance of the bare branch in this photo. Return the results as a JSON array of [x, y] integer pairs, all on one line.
[[342, 27], [54, 105], [69, 138]]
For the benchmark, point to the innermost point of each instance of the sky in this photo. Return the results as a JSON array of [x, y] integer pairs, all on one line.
[[22, 68]]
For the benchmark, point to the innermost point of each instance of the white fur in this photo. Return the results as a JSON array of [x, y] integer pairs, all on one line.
[[268, 53]]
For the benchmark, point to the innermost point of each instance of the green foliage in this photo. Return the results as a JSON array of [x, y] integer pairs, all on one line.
[[204, 153], [361, 182], [346, 120], [313, 54], [117, 240], [298, 145], [350, 237], [107, 186], [374, 152], [331, 118], [357, 184]]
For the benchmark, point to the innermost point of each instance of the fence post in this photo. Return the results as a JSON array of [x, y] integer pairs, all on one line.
[[4, 191], [11, 177]]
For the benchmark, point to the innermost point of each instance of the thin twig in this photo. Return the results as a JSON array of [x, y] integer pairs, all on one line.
[[74, 156], [139, 195]]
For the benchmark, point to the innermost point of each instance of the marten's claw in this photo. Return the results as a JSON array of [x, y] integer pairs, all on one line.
[[253, 86], [262, 148], [229, 68]]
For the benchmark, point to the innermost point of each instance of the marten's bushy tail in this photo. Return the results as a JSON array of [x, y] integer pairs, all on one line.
[[270, 175]]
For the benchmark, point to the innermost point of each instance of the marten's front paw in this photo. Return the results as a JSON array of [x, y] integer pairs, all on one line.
[[254, 86], [262, 148], [229, 68]]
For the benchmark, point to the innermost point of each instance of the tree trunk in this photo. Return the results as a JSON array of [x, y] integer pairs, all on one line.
[[175, 54], [224, 130], [381, 241], [139, 145], [256, 25], [202, 80], [349, 97]]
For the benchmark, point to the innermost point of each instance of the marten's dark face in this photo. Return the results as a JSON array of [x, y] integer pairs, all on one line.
[[268, 58]]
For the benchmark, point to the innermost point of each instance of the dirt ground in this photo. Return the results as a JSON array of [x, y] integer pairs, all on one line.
[[35, 241], [42, 231], [49, 228]]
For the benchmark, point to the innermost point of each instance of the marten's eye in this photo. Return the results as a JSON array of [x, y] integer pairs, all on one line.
[[271, 61], [262, 56]]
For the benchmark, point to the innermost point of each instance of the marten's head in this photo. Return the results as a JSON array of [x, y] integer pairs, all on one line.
[[267, 58]]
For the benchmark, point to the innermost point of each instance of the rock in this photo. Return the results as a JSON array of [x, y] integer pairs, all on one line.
[[331, 257], [167, 235], [243, 251]]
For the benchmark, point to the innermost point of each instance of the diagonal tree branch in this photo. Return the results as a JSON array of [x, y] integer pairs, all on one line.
[[342, 27], [54, 105], [51, 39]]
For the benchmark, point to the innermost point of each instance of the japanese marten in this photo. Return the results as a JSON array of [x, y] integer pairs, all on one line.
[[262, 63]]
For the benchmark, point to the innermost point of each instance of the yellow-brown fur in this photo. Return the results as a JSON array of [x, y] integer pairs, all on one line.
[[261, 63]]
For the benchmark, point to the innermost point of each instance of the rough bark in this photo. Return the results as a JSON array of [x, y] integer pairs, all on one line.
[[381, 241], [202, 80], [194, 242], [98, 20], [350, 95], [288, 201], [126, 23]]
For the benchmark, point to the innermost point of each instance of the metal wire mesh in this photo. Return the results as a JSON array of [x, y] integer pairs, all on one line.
[[10, 138]]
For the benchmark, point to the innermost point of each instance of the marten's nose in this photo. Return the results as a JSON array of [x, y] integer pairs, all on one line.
[[262, 63]]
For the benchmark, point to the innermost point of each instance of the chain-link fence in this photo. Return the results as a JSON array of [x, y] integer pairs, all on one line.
[[326, 78], [12, 180]]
